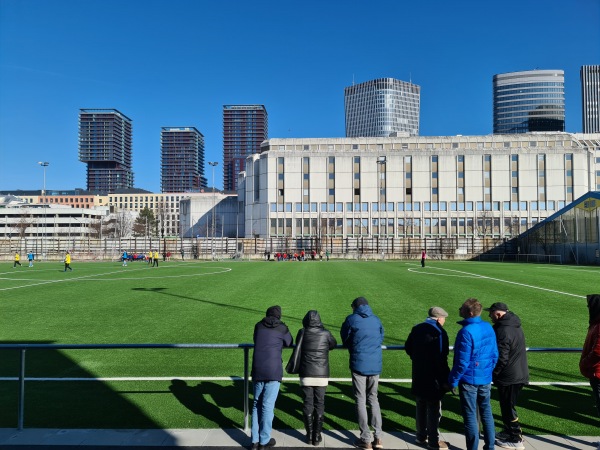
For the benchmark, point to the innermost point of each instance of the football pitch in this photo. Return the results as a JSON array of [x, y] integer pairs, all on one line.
[[183, 302]]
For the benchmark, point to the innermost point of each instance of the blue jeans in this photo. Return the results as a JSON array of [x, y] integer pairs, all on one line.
[[263, 410], [476, 399]]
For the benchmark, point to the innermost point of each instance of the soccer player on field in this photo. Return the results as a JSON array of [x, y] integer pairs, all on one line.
[[17, 260]]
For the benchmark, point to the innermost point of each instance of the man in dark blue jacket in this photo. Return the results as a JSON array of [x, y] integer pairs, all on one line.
[[475, 356], [362, 335], [270, 336]]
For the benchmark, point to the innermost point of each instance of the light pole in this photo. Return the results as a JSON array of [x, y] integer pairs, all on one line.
[[44, 164], [213, 164]]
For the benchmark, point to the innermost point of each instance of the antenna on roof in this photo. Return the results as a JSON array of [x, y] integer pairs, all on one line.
[[352, 79], [410, 77]]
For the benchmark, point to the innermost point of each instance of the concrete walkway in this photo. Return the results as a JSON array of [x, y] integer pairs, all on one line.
[[53, 439]]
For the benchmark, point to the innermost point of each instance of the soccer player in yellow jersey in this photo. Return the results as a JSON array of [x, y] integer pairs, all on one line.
[[68, 261]]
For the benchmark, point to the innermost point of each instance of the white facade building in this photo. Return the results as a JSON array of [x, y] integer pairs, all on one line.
[[494, 185], [208, 215]]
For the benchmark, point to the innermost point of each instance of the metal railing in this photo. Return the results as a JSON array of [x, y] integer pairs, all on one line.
[[22, 348]]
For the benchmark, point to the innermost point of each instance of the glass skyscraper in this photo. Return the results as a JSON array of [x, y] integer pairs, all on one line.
[[381, 108], [181, 159], [245, 127], [529, 101], [590, 98], [105, 146]]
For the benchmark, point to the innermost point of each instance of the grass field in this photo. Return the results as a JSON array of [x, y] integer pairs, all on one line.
[[193, 302]]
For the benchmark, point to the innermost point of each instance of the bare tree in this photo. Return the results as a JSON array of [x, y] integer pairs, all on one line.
[[95, 228], [24, 222], [120, 224]]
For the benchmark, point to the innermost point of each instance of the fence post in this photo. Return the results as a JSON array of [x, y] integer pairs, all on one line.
[[21, 391], [246, 388]]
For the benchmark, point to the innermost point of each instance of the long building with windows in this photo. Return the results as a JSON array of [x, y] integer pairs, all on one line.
[[245, 127], [590, 98], [181, 159], [529, 101], [381, 108], [105, 145], [490, 186]]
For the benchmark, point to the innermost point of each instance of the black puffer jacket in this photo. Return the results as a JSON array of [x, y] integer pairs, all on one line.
[[512, 356], [316, 343], [270, 336]]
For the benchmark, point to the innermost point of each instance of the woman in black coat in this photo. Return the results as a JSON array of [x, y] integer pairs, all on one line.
[[314, 372]]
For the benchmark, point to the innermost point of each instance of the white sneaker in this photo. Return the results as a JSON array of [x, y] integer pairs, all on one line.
[[510, 445]]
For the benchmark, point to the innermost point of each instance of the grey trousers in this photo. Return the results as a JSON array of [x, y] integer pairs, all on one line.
[[365, 391]]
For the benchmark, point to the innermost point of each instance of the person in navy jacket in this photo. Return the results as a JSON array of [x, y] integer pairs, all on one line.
[[270, 336], [362, 335], [475, 356]]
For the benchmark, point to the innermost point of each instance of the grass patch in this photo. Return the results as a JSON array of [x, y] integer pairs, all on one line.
[[193, 302]]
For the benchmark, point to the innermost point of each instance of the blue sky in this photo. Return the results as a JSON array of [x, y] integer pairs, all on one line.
[[177, 62]]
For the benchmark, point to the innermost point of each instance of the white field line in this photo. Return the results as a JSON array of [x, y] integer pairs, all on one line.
[[467, 274], [92, 276], [289, 379]]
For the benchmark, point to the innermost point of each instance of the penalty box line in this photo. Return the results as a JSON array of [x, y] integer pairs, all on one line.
[[509, 282], [41, 283]]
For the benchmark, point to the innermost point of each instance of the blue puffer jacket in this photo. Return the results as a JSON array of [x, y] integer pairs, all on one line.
[[475, 353], [362, 335]]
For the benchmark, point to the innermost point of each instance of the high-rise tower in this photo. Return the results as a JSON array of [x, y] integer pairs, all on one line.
[[181, 159], [527, 101], [382, 108], [105, 146], [590, 98], [245, 127]]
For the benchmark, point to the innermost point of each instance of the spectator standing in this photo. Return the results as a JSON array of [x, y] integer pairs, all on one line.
[[314, 372], [327, 254], [589, 364], [475, 356], [511, 373], [182, 254], [68, 261], [17, 260], [423, 257], [362, 334], [428, 348], [30, 258], [270, 336]]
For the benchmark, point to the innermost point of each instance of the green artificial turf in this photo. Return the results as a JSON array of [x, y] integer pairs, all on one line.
[[219, 302]]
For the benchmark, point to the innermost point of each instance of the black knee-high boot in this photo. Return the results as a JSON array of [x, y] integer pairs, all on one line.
[[308, 424], [318, 427]]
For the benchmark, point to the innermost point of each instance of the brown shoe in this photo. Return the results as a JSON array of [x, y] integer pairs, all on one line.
[[441, 445], [359, 443], [377, 443]]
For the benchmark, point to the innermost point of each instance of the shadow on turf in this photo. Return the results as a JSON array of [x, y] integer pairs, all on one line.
[[63, 404], [259, 313], [209, 400]]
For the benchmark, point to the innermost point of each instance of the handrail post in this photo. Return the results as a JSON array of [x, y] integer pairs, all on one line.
[[21, 391], [246, 388]]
